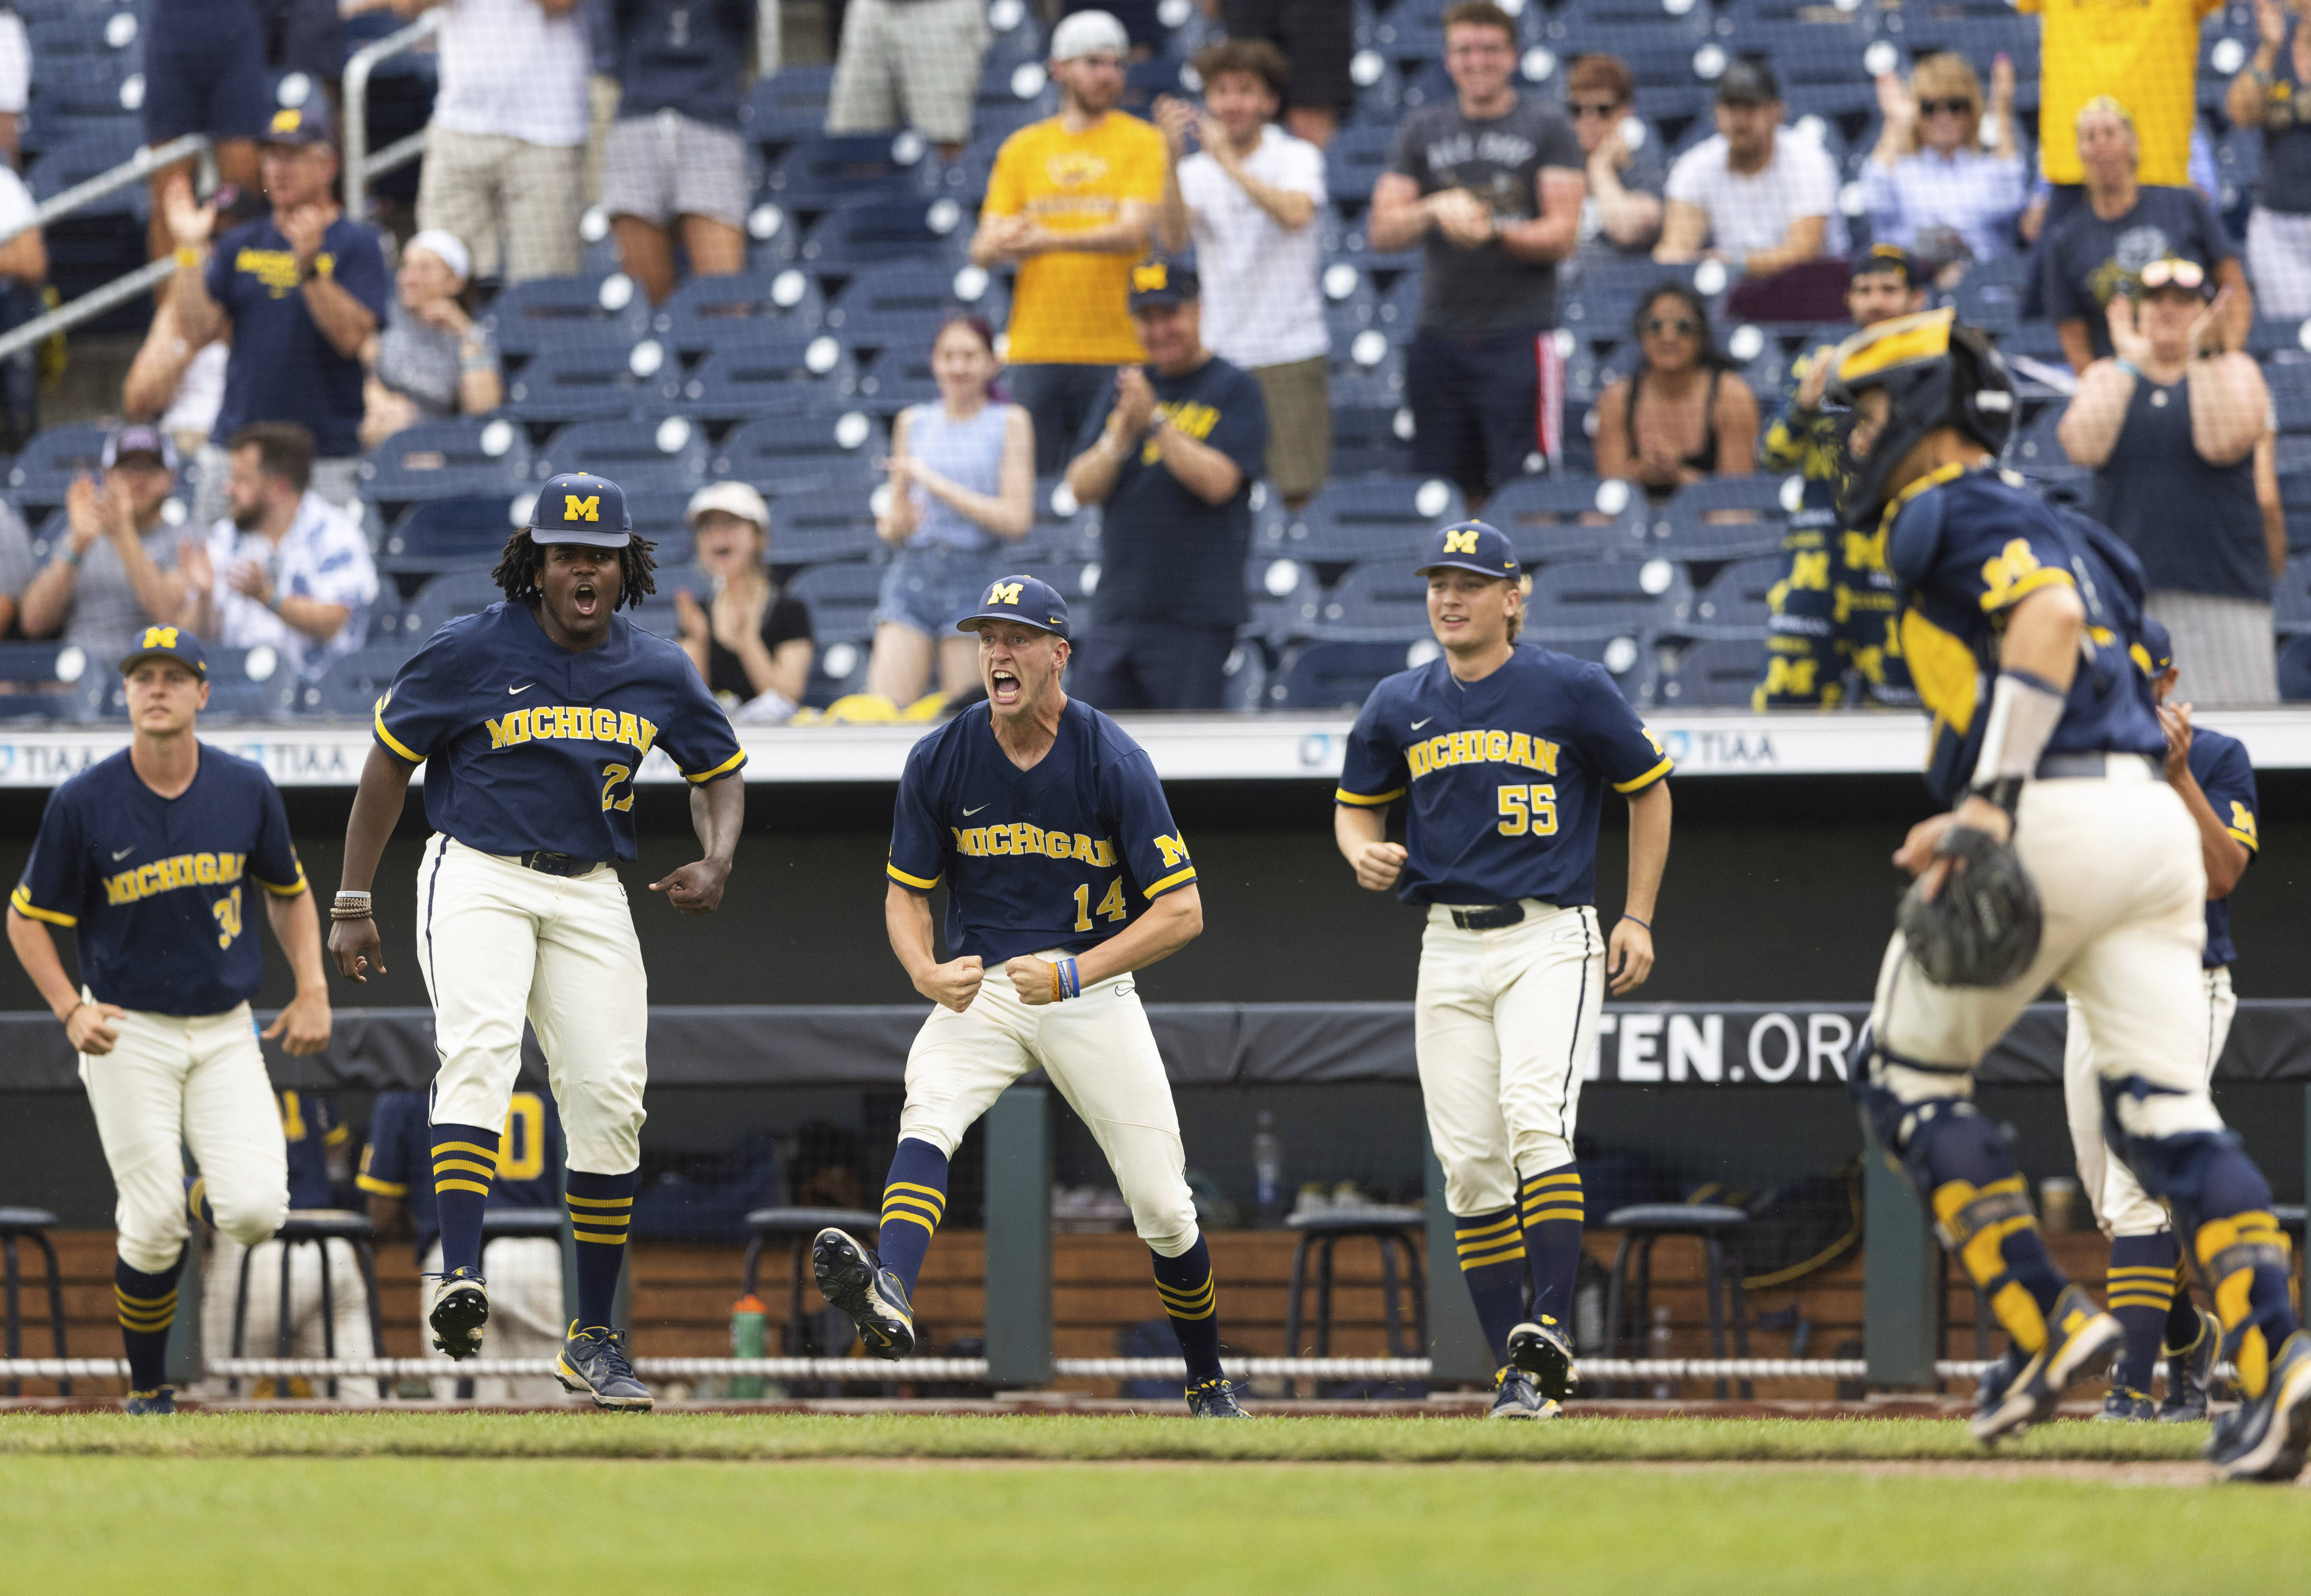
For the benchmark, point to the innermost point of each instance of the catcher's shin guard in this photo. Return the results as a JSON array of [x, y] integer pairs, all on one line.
[[2243, 1259], [1995, 1235]]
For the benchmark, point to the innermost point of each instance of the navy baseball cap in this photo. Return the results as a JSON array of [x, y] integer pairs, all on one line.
[[1019, 598], [168, 643], [1164, 279], [2158, 646], [1890, 257], [1471, 545], [579, 507], [306, 123]]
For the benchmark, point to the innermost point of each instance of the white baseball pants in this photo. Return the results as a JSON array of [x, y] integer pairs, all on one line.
[[2116, 859], [1503, 1023], [496, 941], [526, 1320], [2121, 1205], [261, 1331], [172, 1082], [1101, 1055]]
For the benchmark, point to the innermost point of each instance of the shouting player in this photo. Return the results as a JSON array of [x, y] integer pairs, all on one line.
[[2210, 772], [2065, 857], [1513, 964], [532, 718], [1064, 876], [148, 856]]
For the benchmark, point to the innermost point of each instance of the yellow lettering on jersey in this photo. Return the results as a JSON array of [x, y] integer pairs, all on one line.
[[629, 731], [573, 721], [205, 869], [649, 736], [1809, 570], [2242, 824], [509, 728], [173, 874], [541, 722], [2007, 569], [1057, 846], [1025, 839], [998, 842], [1496, 746], [606, 726], [1175, 850], [1521, 749]]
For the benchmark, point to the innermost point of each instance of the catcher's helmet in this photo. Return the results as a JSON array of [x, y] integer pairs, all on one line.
[[1936, 373]]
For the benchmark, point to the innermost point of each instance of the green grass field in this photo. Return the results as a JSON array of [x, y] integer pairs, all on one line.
[[262, 1503]]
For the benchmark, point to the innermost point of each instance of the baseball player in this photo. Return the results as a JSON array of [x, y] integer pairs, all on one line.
[[2210, 772], [1832, 630], [1066, 874], [151, 857], [532, 718], [1505, 750], [526, 1298], [2064, 857]]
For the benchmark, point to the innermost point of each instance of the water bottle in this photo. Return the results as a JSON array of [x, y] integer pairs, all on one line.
[[749, 1332], [1656, 1345], [1267, 1172]]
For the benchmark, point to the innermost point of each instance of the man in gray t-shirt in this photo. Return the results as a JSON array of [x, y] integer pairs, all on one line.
[[114, 572], [1493, 183]]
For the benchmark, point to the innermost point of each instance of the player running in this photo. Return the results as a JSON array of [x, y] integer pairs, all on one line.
[[1065, 872], [532, 718], [147, 856], [2017, 622], [2148, 1296], [1513, 965]]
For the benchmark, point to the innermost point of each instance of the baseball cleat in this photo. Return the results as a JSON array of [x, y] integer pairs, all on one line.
[[2190, 1371], [1542, 1351], [1513, 1396], [2265, 1437], [2126, 1405], [2080, 1337], [461, 1307], [595, 1362], [853, 1279], [1213, 1399], [161, 1399]]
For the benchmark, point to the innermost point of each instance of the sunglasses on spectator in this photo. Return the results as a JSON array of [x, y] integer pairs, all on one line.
[[1594, 108], [1956, 107], [1682, 326], [2185, 274]]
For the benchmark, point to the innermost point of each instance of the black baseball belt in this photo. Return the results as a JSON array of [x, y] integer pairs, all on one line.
[[546, 862], [1489, 917]]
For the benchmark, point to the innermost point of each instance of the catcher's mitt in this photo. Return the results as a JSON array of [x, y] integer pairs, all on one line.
[[1982, 928]]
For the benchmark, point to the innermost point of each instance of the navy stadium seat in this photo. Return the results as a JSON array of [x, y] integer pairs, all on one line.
[[244, 685], [1366, 517], [1718, 674], [1553, 518], [595, 383], [842, 600], [830, 170], [764, 375], [822, 524], [1409, 32], [803, 443], [2290, 600], [352, 686], [1733, 604], [2294, 669], [444, 599], [40, 476], [447, 535], [1594, 598], [48, 680], [862, 233], [707, 311], [1064, 530], [1371, 432], [1285, 599], [667, 455], [2290, 395], [659, 514], [2038, 452], [1634, 662], [1723, 518], [900, 304], [549, 313], [788, 106], [1568, 27], [1353, 161], [1381, 602], [1339, 677]]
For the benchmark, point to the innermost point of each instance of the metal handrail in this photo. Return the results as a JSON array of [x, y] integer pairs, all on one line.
[[137, 168], [360, 166]]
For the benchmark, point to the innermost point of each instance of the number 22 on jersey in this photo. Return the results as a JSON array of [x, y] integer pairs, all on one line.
[[1528, 811], [1112, 905]]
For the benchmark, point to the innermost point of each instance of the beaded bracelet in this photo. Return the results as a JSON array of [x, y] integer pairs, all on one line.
[[350, 906]]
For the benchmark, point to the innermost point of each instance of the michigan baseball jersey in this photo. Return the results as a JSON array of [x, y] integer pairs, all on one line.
[[1506, 775], [1965, 546], [530, 746], [158, 890], [1063, 856], [398, 1160], [2220, 766], [312, 1129]]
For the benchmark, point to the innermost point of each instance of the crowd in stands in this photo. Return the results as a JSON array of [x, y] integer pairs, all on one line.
[[1198, 309]]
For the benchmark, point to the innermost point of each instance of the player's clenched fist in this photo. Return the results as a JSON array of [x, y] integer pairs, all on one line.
[[1030, 978], [91, 1029], [356, 947], [954, 984], [1378, 865]]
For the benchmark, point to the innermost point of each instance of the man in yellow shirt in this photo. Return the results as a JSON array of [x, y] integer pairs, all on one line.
[[1070, 202]]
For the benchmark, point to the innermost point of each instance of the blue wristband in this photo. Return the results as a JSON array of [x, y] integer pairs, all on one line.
[[1071, 978]]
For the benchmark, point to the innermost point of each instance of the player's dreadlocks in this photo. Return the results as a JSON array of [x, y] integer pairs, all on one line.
[[517, 571]]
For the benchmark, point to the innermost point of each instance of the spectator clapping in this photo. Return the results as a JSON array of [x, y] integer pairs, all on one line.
[[1684, 414], [115, 571], [1623, 211], [1929, 187]]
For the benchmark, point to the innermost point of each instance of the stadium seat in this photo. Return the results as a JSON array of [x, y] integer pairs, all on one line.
[[822, 524], [1368, 518], [964, 178], [549, 313], [600, 383], [788, 106], [444, 599], [1408, 30], [802, 442], [1064, 530], [669, 456], [1990, 295], [1733, 604], [828, 171], [2285, 335], [2290, 395], [1285, 599], [1568, 28], [2038, 452], [447, 535], [900, 305], [1552, 519], [1370, 432], [1381, 602], [244, 685], [2294, 669], [2290, 600], [658, 514], [1353, 161], [1339, 677], [1717, 675], [863, 232], [48, 680], [1723, 518], [1633, 662], [1011, 94], [1601, 598], [762, 375], [842, 600], [352, 686], [707, 311], [40, 476]]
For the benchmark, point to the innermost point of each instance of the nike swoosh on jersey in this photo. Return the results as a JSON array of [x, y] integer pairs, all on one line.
[[968, 812], [123, 853], [525, 687], [1416, 725]]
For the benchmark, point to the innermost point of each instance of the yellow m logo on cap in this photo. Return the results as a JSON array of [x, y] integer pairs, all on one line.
[[574, 509], [1149, 277], [1006, 592], [1460, 543], [287, 121], [160, 637]]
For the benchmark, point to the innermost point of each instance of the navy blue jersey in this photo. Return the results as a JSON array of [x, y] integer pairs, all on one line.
[[1964, 547], [311, 1125], [528, 745], [2220, 766], [1507, 775], [398, 1160], [1062, 856], [158, 889]]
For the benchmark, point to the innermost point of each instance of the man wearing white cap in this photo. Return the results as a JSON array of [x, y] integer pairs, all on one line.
[[1071, 202], [751, 642], [909, 64], [432, 360]]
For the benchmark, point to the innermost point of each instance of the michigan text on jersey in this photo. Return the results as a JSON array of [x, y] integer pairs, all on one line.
[[573, 722], [1481, 747]]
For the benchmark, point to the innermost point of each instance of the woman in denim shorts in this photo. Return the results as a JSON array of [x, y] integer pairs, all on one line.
[[963, 489]]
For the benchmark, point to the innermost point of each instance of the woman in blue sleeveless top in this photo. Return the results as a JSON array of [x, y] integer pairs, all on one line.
[[963, 490]]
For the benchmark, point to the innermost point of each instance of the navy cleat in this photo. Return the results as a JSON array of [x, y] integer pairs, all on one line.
[[2265, 1437], [1542, 1351], [1514, 1397], [1213, 1399], [855, 1281], [2126, 1405], [2189, 1371], [461, 1307], [161, 1399], [595, 1362], [2079, 1337]]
